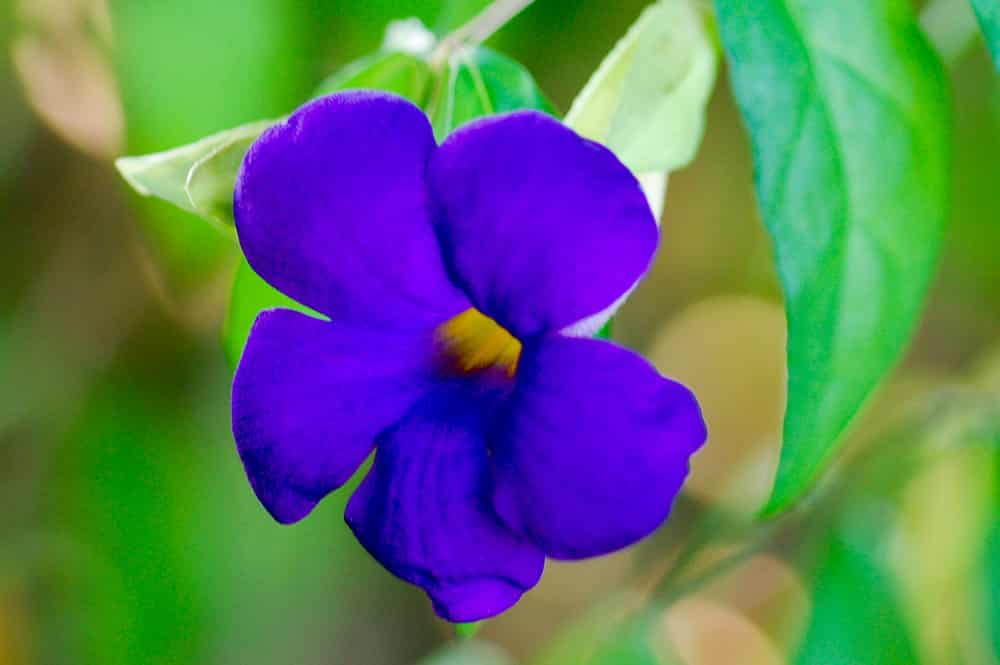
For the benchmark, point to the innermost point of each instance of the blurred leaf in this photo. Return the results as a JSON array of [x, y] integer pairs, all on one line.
[[615, 632], [851, 145], [481, 83], [629, 646], [988, 12], [992, 548], [199, 177], [992, 581], [122, 493], [250, 296], [647, 99], [468, 653], [401, 73], [856, 617]]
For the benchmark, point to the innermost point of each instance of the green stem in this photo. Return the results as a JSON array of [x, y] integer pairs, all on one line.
[[478, 30]]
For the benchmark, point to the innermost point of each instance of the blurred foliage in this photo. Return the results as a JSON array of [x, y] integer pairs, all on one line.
[[130, 534]]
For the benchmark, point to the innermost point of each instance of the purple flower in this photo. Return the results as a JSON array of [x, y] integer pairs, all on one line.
[[450, 275]]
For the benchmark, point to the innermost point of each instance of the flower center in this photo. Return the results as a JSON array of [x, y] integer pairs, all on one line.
[[474, 342]]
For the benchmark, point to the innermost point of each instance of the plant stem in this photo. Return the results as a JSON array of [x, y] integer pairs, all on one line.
[[479, 29]]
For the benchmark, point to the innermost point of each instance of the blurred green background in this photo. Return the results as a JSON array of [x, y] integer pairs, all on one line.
[[128, 532]]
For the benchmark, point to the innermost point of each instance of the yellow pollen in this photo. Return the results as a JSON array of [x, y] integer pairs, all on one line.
[[475, 342]]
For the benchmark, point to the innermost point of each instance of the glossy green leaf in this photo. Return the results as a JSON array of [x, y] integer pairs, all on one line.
[[250, 296], [199, 177], [401, 73], [988, 12], [647, 99], [856, 616], [851, 145], [480, 83]]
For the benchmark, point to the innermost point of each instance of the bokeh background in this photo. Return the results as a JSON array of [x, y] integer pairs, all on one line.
[[128, 532]]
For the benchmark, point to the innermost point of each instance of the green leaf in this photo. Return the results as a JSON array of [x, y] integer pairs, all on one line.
[[991, 570], [856, 617], [480, 83], [647, 99], [629, 646], [212, 179], [250, 296], [471, 652], [851, 145], [617, 631], [992, 581], [988, 12], [198, 177], [396, 72]]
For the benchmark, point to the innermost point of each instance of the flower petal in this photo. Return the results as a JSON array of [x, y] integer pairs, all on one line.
[[593, 449], [332, 209], [422, 512], [309, 398], [539, 226]]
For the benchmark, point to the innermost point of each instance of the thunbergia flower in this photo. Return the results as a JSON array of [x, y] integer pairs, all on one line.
[[452, 277]]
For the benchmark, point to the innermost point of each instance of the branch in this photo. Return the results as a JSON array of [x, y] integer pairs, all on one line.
[[479, 29]]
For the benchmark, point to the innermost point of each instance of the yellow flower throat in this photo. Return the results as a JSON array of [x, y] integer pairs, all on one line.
[[473, 342]]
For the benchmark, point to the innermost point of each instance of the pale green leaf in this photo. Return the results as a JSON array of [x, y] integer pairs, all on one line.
[[647, 99], [470, 652], [211, 180], [851, 146], [167, 174]]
